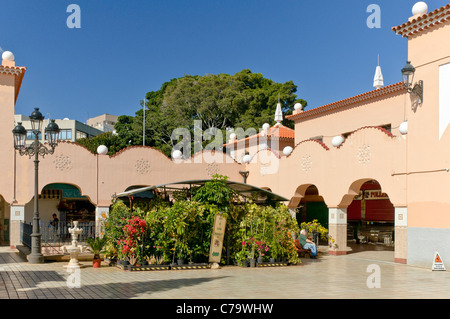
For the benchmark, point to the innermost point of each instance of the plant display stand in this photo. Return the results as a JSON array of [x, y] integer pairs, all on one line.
[[191, 266], [163, 267], [144, 267], [273, 264]]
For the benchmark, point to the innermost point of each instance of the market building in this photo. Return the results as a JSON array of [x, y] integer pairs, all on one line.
[[373, 167]]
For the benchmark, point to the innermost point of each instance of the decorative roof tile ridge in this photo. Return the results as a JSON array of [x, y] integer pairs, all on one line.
[[368, 127], [138, 146], [13, 67], [15, 70], [325, 147], [433, 15], [270, 150], [396, 87], [272, 136], [74, 143], [218, 151]]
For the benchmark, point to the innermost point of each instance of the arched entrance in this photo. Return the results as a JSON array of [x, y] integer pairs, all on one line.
[[312, 207], [66, 201], [371, 219]]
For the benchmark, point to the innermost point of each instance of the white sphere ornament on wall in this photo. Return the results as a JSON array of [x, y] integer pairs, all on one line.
[[287, 150], [102, 150], [266, 126], [337, 141], [176, 154], [420, 8], [246, 159], [403, 128], [298, 106], [8, 56]]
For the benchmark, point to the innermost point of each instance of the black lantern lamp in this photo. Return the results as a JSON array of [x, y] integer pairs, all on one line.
[[36, 119], [20, 136], [35, 149], [408, 81], [52, 131]]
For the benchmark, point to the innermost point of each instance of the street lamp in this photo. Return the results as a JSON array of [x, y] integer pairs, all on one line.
[[408, 79], [35, 149]]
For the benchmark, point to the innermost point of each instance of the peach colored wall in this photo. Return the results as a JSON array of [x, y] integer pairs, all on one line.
[[7, 103], [376, 112], [334, 170], [428, 200], [100, 176]]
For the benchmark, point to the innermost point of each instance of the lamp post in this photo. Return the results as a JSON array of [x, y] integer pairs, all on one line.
[[35, 149], [143, 123], [408, 79]]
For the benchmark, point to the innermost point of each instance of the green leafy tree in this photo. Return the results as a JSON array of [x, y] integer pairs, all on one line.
[[245, 100], [113, 142]]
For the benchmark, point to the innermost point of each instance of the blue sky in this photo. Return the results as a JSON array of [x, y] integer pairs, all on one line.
[[127, 48]]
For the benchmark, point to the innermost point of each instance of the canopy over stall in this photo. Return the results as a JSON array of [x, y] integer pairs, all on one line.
[[242, 189]]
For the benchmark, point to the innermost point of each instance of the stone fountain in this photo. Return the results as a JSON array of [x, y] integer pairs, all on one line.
[[74, 249]]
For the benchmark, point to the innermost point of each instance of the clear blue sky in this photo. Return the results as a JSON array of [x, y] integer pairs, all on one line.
[[127, 48]]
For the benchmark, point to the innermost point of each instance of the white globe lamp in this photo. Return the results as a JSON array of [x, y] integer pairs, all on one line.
[[176, 154], [246, 159], [337, 141], [287, 150], [8, 56], [102, 150], [403, 128], [420, 8]]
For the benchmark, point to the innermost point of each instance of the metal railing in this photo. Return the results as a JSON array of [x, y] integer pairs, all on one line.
[[25, 234], [54, 237]]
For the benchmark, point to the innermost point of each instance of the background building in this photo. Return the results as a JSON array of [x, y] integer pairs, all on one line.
[[70, 130], [104, 122]]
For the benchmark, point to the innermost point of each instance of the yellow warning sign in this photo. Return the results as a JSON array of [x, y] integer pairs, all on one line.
[[438, 264]]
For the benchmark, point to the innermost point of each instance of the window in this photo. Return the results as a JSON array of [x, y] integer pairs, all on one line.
[[30, 135], [81, 134], [65, 134]]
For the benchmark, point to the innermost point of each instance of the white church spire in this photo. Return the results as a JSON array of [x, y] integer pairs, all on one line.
[[378, 78], [278, 113]]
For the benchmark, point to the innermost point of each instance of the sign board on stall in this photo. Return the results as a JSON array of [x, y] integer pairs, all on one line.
[[438, 264], [215, 252]]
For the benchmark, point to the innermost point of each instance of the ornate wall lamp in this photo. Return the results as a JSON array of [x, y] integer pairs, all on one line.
[[35, 149], [408, 79]]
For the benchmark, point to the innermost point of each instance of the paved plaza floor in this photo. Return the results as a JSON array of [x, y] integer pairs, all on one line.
[[357, 275]]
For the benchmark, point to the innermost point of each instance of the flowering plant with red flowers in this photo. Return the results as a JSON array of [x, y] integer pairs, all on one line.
[[131, 243]]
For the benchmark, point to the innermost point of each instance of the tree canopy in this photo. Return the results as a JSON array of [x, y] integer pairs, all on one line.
[[243, 100]]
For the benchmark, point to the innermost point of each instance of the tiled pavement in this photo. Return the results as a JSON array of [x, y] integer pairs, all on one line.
[[327, 277]]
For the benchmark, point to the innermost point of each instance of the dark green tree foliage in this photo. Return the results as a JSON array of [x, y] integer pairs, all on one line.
[[113, 142], [243, 100]]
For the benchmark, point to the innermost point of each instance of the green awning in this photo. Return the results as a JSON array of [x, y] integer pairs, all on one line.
[[67, 190]]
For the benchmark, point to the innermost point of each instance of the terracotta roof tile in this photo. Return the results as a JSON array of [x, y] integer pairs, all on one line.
[[280, 132], [18, 72], [423, 22], [393, 88]]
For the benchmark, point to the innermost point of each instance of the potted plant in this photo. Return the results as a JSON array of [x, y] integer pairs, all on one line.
[[96, 245], [241, 258]]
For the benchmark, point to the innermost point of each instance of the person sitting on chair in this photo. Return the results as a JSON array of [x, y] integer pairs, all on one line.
[[308, 244]]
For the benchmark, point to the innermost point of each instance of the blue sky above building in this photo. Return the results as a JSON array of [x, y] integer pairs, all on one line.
[[127, 48]]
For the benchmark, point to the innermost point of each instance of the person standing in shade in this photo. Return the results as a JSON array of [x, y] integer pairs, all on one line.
[[54, 225], [308, 244]]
